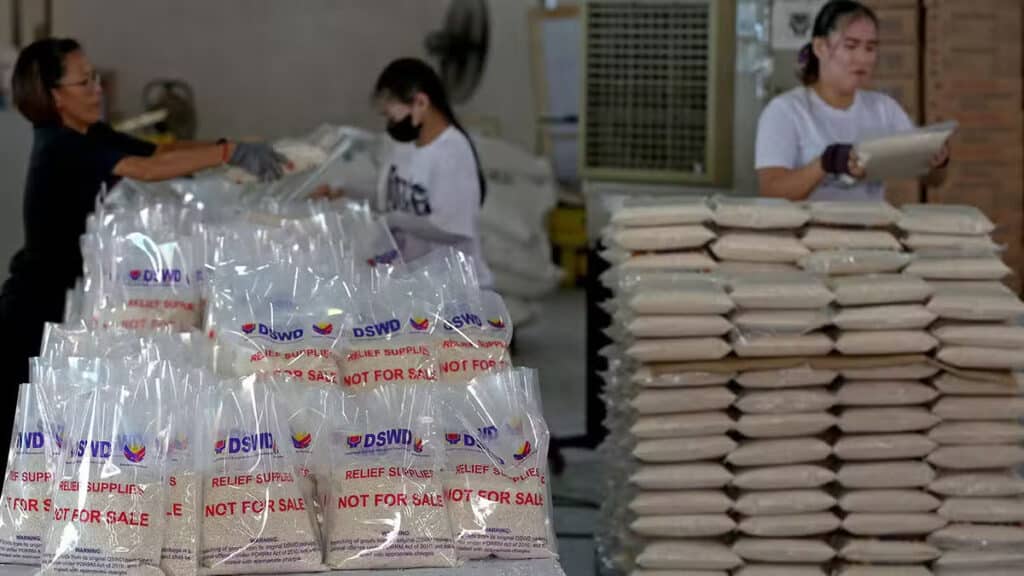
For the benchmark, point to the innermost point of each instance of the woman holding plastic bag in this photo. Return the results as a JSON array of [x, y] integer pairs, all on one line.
[[74, 155], [805, 136], [432, 187]]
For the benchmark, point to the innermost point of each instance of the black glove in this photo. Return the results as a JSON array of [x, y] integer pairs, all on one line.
[[259, 159], [836, 159]]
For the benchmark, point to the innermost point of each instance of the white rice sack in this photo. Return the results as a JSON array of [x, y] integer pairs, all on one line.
[[979, 268], [869, 524], [854, 213], [953, 385], [678, 349], [967, 408], [777, 503], [776, 346], [735, 268], [677, 326], [643, 212], [688, 555], [879, 289], [888, 552], [945, 219], [680, 503], [983, 510], [918, 371], [885, 501], [798, 377], [886, 475], [786, 401], [783, 477], [778, 452], [793, 291], [797, 551], [977, 537], [949, 243], [674, 261], [779, 570], [980, 563], [758, 213], [693, 526], [853, 570], [976, 302], [683, 401], [885, 393], [872, 343], [784, 425], [1009, 336], [982, 358], [751, 247], [680, 450], [854, 262], [868, 447], [791, 526], [677, 294], [819, 238], [984, 457], [979, 484], [886, 420], [977, 434], [681, 425], [780, 321], [647, 378], [681, 477], [661, 237], [889, 317]]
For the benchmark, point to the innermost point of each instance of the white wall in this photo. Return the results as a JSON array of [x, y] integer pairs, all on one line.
[[269, 69]]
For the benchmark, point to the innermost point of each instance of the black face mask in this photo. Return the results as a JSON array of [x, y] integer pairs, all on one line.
[[403, 130]]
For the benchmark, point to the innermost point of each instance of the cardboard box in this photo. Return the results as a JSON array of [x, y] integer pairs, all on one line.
[[898, 25], [899, 60], [905, 90]]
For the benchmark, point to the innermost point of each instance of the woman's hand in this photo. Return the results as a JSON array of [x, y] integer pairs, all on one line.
[[259, 159], [325, 192], [854, 167], [941, 159]]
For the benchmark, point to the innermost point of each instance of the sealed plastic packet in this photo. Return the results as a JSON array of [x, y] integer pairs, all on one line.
[[385, 507], [108, 495], [26, 509], [475, 326], [496, 483], [308, 425], [391, 334], [280, 320], [255, 519]]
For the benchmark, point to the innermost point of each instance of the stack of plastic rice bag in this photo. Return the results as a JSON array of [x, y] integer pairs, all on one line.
[[875, 418]]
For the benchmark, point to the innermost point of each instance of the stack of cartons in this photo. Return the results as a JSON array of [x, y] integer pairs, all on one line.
[[973, 75], [898, 73]]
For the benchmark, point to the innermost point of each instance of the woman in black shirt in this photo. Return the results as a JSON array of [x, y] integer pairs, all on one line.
[[74, 155]]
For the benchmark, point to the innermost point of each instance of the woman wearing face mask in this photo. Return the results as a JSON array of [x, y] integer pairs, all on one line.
[[805, 137], [74, 155], [432, 187]]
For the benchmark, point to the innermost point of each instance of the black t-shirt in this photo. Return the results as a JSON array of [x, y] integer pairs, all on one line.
[[67, 171]]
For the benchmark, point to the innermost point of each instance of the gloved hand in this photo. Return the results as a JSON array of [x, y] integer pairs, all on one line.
[[836, 159], [259, 159]]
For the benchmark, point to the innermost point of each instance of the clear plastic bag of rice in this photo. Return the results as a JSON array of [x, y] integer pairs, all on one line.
[[255, 518], [108, 494], [945, 219], [650, 211], [758, 213], [660, 293], [860, 214], [854, 262], [385, 507], [496, 478]]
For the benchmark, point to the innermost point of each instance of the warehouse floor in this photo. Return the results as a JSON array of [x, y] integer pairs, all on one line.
[[555, 344]]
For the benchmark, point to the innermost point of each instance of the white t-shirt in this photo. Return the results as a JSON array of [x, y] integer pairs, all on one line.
[[431, 196], [797, 126]]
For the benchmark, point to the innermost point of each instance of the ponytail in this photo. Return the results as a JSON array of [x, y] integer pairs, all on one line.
[[404, 78], [833, 16]]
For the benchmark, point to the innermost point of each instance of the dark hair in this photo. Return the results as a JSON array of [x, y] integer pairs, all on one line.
[[404, 78], [831, 17], [39, 68]]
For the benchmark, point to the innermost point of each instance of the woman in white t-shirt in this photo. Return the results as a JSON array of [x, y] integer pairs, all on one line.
[[805, 137], [432, 187]]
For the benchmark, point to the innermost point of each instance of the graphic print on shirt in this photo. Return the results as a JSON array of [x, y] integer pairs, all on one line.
[[405, 196]]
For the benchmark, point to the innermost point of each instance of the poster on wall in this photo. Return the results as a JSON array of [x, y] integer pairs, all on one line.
[[792, 22]]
